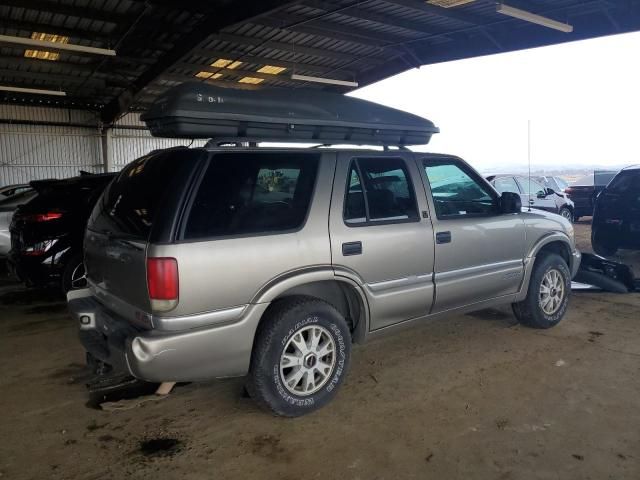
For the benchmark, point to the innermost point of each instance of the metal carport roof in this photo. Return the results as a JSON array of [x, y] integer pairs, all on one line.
[[161, 43]]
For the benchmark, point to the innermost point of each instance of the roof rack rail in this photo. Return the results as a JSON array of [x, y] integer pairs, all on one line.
[[198, 110]]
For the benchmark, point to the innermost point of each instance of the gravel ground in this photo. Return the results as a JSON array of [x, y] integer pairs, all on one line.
[[474, 396]]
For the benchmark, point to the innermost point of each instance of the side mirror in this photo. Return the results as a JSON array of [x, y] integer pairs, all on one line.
[[510, 203]]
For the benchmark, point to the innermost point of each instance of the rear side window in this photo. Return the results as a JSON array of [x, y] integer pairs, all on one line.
[[379, 190], [625, 182], [132, 201], [251, 193]]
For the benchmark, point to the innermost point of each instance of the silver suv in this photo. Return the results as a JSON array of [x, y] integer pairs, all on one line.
[[270, 263]]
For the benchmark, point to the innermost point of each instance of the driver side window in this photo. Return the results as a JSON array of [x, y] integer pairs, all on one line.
[[457, 192], [531, 187]]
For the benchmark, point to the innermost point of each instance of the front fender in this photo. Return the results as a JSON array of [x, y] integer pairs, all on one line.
[[530, 259]]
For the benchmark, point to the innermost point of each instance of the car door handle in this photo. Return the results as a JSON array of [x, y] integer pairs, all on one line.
[[352, 248], [443, 237], [531, 200]]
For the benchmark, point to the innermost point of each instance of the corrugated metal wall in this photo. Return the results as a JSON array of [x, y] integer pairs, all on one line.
[[30, 152], [36, 151]]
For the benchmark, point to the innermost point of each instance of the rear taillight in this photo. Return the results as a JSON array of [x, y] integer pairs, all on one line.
[[162, 281], [42, 217]]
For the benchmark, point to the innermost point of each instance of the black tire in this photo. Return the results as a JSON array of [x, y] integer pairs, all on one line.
[[576, 218], [285, 319], [529, 311], [601, 246], [601, 281], [76, 261], [566, 213]]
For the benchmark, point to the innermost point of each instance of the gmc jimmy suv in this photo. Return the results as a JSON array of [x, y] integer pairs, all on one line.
[[219, 262]]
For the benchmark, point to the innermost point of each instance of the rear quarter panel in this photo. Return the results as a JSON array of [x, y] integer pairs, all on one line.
[[229, 271]]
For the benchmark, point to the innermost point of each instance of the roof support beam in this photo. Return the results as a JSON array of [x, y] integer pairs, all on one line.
[[359, 13], [45, 28], [68, 10], [63, 79], [291, 48], [207, 25], [330, 30], [450, 13], [283, 77], [250, 58]]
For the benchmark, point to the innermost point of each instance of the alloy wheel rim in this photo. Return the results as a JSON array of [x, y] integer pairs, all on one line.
[[78, 277], [308, 360], [566, 214], [552, 290]]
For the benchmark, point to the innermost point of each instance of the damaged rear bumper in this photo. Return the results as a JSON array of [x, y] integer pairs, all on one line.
[[155, 356]]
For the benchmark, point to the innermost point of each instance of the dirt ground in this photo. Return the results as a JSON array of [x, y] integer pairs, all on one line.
[[474, 396]]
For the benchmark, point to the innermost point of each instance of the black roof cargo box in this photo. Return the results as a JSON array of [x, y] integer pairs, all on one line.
[[199, 110]]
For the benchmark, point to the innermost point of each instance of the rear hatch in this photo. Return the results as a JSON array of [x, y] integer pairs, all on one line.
[[60, 209], [141, 206]]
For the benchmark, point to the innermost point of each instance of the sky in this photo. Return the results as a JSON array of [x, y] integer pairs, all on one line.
[[582, 100]]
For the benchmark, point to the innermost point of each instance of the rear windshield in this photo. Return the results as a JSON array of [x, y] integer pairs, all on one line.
[[250, 193], [130, 204]]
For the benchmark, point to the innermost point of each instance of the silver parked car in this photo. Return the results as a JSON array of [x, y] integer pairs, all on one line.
[[220, 262], [8, 207]]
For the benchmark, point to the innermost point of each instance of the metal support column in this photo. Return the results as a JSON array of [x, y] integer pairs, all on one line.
[[107, 149]]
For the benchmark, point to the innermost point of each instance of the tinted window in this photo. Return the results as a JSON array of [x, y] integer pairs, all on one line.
[[244, 193], [379, 191], [354, 205], [506, 184], [531, 187], [626, 182], [457, 192], [131, 202]]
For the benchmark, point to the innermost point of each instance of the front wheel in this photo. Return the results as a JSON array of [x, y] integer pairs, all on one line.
[[548, 294], [566, 213], [300, 356]]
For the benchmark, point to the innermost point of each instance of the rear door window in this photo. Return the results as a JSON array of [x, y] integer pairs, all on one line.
[[252, 193], [379, 190]]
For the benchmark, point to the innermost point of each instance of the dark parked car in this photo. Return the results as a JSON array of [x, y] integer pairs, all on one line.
[[616, 217], [584, 191], [47, 232], [534, 194]]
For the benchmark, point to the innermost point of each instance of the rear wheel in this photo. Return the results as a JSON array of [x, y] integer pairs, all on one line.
[[300, 356], [548, 295]]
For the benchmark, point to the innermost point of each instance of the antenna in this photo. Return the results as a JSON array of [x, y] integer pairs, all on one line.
[[529, 158]]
